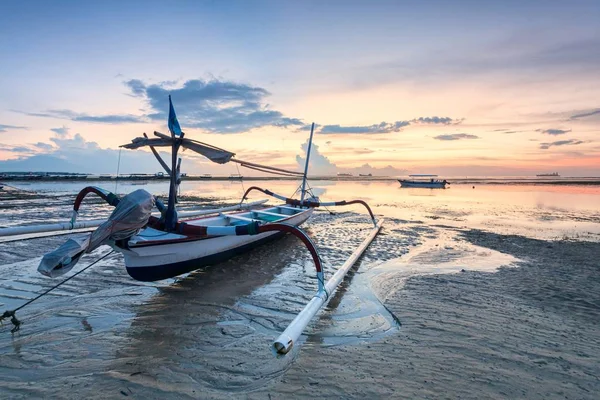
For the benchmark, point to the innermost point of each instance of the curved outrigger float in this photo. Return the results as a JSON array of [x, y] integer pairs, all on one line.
[[164, 246]]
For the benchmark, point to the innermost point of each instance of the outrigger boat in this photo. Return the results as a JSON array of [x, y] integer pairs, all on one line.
[[423, 181], [164, 245]]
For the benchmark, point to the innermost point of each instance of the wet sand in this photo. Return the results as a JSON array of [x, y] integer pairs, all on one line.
[[407, 323], [526, 331]]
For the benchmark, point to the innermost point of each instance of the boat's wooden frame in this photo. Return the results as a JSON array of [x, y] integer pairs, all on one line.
[[148, 259], [166, 246]]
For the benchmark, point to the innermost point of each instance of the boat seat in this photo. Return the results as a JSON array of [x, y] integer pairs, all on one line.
[[269, 216], [294, 209], [239, 218]]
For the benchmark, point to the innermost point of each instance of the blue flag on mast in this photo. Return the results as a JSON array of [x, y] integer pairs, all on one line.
[[173, 123]]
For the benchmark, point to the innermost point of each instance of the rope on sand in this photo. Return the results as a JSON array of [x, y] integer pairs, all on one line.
[[11, 313]]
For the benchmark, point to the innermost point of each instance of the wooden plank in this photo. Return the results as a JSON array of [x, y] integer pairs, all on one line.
[[272, 214], [239, 218], [297, 210]]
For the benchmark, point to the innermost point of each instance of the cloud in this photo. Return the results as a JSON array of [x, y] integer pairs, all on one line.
[[32, 148], [137, 87], [363, 151], [553, 131], [435, 120], [383, 127], [13, 149], [348, 150], [585, 114], [4, 128], [43, 146], [219, 106], [215, 105], [577, 52], [83, 117], [72, 153], [60, 131], [514, 58], [22, 149], [455, 136], [375, 171], [39, 163], [76, 142], [571, 142], [319, 164], [308, 127]]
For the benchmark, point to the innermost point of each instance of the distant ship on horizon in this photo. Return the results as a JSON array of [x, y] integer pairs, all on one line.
[[552, 174]]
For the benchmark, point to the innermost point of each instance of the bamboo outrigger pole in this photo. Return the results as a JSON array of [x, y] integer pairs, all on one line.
[[67, 226], [285, 342]]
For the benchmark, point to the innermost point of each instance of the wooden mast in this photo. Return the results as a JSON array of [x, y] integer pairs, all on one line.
[[176, 138], [304, 177]]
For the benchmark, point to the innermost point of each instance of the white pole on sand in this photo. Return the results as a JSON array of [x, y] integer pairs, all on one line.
[[61, 226], [285, 342]]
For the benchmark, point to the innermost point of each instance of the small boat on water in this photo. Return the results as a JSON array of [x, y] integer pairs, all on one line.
[[423, 181]]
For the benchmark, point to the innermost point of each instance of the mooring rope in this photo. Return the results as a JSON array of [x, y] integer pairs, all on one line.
[[310, 191], [13, 317], [242, 182]]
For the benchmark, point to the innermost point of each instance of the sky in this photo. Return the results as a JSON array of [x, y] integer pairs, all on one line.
[[462, 88]]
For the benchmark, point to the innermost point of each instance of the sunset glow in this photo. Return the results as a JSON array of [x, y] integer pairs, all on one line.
[[461, 89]]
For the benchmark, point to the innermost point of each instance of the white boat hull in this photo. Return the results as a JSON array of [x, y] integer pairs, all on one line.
[[417, 184], [172, 255]]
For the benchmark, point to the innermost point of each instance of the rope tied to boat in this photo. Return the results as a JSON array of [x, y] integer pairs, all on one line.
[[253, 228], [321, 285], [12, 313]]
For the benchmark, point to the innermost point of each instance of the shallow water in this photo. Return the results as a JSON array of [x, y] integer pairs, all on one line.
[[212, 329]]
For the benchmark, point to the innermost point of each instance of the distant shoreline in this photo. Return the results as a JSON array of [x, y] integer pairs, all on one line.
[[451, 181]]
